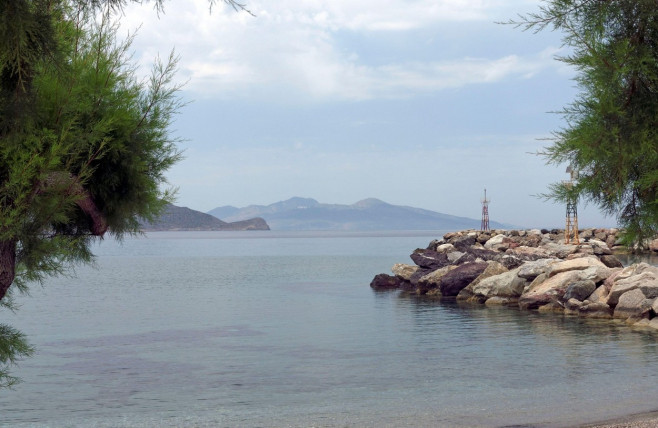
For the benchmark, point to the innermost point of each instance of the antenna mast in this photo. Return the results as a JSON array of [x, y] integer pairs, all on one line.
[[484, 226], [571, 227]]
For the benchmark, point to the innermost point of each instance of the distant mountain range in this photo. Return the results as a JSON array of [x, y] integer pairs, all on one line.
[[181, 218], [368, 214]]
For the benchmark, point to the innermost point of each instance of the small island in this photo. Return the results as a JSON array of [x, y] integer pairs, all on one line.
[[185, 219], [532, 270]]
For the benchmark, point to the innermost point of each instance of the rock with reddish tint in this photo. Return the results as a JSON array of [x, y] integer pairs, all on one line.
[[464, 243], [385, 282], [457, 279], [429, 259]]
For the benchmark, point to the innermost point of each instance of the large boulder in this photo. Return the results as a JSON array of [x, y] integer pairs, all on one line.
[[463, 243], [420, 273], [429, 259], [580, 263], [640, 275], [528, 253], [493, 268], [634, 305], [457, 279], [445, 248], [551, 289], [561, 251], [580, 290], [600, 295], [595, 310], [433, 279], [403, 271], [498, 243], [385, 282], [531, 270], [611, 261], [506, 285], [599, 247]]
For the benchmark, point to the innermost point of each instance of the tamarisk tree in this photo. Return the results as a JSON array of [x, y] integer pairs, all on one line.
[[611, 132], [84, 144]]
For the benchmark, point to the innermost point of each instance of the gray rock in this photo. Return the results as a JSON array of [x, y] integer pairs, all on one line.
[[599, 247], [580, 290], [611, 261], [493, 268], [454, 256], [633, 304], [632, 277], [595, 310], [560, 251], [580, 263], [550, 290], [507, 284], [531, 270], [649, 288], [501, 301]]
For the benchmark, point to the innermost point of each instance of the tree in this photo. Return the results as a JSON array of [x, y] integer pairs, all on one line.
[[611, 132], [84, 144]]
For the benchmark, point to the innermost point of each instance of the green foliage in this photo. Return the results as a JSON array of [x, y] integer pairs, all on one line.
[[84, 144], [611, 132], [13, 347]]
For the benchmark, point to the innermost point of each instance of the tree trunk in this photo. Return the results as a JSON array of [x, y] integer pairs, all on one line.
[[7, 265]]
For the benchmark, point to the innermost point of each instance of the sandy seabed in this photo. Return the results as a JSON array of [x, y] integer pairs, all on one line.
[[642, 420]]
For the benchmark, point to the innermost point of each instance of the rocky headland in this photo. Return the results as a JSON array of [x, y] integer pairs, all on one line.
[[532, 270], [176, 218]]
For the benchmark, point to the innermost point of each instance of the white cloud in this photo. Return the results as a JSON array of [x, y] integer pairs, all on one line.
[[291, 49]]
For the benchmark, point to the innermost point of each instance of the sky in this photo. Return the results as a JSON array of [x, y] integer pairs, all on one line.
[[423, 103]]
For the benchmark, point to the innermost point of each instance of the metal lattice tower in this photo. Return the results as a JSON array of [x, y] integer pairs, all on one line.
[[571, 227], [485, 212]]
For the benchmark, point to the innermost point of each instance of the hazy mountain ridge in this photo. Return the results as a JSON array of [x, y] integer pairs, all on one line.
[[368, 214], [186, 219]]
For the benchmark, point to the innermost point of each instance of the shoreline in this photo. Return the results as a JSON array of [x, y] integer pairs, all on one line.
[[636, 420]]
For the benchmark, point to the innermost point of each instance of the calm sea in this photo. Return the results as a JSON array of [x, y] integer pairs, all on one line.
[[234, 329]]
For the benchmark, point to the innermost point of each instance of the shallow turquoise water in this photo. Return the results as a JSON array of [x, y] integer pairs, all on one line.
[[274, 329]]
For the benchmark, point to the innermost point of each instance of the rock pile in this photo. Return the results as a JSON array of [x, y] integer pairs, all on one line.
[[533, 269]]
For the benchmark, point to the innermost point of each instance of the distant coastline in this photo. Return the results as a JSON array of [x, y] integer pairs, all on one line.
[[176, 218]]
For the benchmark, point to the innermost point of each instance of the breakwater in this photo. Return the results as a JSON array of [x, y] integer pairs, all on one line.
[[534, 270]]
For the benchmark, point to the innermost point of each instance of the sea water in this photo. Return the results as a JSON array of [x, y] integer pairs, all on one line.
[[272, 329]]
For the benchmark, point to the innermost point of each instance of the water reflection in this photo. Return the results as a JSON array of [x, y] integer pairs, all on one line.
[[629, 259]]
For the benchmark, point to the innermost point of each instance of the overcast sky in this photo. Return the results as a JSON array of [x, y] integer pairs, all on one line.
[[415, 102]]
